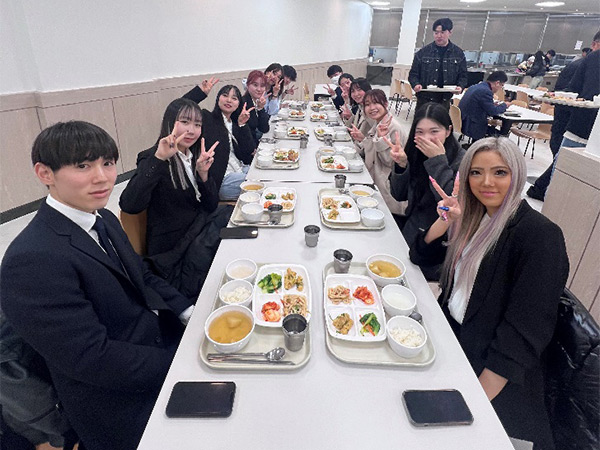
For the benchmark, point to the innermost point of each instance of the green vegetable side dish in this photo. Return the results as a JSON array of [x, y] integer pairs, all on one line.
[[270, 283], [329, 160], [270, 196], [370, 324]]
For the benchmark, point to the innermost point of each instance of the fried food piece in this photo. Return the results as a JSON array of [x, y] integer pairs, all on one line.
[[291, 279], [343, 323], [333, 215]]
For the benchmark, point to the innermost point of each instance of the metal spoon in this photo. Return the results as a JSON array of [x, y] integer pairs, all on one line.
[[272, 355]]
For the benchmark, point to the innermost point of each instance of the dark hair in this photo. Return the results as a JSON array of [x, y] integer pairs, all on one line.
[[290, 72], [68, 143], [216, 112], [539, 57], [181, 107], [274, 67], [586, 50], [551, 52], [346, 75], [376, 96], [498, 76], [333, 70], [596, 37], [360, 83], [416, 159], [445, 23]]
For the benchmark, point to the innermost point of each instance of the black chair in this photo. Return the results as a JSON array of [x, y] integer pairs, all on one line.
[[573, 377]]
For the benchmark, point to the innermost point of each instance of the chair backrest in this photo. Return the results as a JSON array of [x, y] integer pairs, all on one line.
[[396, 88], [520, 103], [545, 128], [523, 97], [547, 108], [541, 88], [135, 229], [523, 85], [572, 367], [501, 95], [407, 90], [456, 118]]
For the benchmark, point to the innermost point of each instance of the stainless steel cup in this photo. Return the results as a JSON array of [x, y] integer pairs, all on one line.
[[311, 235], [340, 180], [342, 260], [294, 331], [303, 141], [275, 212]]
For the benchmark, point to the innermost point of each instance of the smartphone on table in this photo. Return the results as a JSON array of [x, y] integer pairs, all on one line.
[[239, 233], [436, 408], [201, 399]]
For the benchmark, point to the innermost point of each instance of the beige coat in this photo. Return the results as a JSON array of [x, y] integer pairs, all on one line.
[[362, 122], [380, 164]]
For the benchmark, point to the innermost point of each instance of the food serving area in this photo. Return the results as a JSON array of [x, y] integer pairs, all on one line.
[[323, 401]]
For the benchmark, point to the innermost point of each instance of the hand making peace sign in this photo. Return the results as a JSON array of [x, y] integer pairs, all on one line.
[[167, 146], [356, 134], [396, 150], [261, 101], [205, 160], [244, 115], [207, 85], [383, 126], [448, 207]]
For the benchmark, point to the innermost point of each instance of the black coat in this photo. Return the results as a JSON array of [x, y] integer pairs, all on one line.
[[586, 82], [213, 130], [171, 210], [92, 322], [511, 315], [259, 120]]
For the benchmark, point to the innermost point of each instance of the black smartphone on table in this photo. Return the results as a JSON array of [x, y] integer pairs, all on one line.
[[436, 408], [239, 233], [201, 399]]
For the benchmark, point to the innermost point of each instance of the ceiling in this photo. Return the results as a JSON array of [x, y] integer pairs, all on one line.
[[570, 6]]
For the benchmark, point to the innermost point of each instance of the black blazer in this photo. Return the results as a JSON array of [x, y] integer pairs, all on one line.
[[93, 324], [259, 120], [512, 313], [171, 210]]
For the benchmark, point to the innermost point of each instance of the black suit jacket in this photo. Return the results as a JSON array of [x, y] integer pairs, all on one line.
[[92, 322], [511, 314], [259, 120], [475, 107], [171, 210]]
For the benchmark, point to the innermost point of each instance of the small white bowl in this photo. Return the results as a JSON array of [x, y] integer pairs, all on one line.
[[244, 186], [384, 281], [249, 197], [348, 152], [362, 188], [234, 346], [405, 323], [355, 164], [252, 212], [341, 135], [371, 217], [279, 134], [231, 286], [327, 150], [367, 202], [266, 152], [241, 269], [398, 300], [265, 160]]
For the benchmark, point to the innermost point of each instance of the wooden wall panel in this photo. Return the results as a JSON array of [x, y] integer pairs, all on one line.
[[18, 129]]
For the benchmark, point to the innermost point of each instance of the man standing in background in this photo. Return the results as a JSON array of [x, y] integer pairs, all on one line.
[[439, 63]]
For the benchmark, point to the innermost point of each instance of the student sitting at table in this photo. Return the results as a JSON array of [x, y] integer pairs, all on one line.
[[375, 145], [256, 96], [334, 74], [173, 184], [430, 151], [353, 111], [289, 77], [477, 104], [274, 76], [74, 289], [226, 125], [504, 269]]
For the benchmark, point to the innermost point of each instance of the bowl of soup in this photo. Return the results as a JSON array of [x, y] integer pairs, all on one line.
[[252, 186], [229, 328], [359, 190], [398, 300], [385, 269], [241, 269]]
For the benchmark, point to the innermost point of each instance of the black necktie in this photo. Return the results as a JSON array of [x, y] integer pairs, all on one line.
[[100, 228]]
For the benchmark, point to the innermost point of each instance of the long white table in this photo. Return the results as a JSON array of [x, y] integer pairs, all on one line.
[[526, 115], [326, 404], [531, 92]]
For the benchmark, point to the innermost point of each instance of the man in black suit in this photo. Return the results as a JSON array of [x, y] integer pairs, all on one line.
[[72, 286]]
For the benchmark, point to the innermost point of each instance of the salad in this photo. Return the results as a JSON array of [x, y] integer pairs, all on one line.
[[270, 283], [370, 324]]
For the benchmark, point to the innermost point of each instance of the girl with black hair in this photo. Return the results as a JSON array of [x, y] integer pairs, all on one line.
[[353, 111], [431, 151]]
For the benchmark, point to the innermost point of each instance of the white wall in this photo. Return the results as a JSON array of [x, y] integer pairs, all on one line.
[[68, 44]]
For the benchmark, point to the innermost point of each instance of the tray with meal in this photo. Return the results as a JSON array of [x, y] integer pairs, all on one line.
[[295, 114], [366, 316], [568, 101], [445, 88], [318, 117], [336, 134], [257, 297], [295, 132], [278, 159], [329, 162], [251, 206], [341, 211]]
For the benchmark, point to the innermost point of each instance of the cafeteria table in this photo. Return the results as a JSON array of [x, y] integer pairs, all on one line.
[[326, 404], [525, 116], [535, 93]]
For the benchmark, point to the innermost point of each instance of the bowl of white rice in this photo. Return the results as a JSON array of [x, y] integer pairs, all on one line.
[[406, 336], [236, 292]]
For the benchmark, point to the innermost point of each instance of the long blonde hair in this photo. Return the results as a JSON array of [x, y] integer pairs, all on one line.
[[462, 232]]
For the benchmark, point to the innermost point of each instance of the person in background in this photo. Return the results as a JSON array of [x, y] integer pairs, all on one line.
[[548, 58], [376, 145], [439, 63], [75, 290], [289, 77], [430, 151], [505, 266], [537, 70], [478, 103], [562, 115], [584, 52], [353, 114], [256, 96], [273, 73], [344, 84], [172, 183], [335, 91]]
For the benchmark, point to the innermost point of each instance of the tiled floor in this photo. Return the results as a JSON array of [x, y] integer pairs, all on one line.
[[543, 158]]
